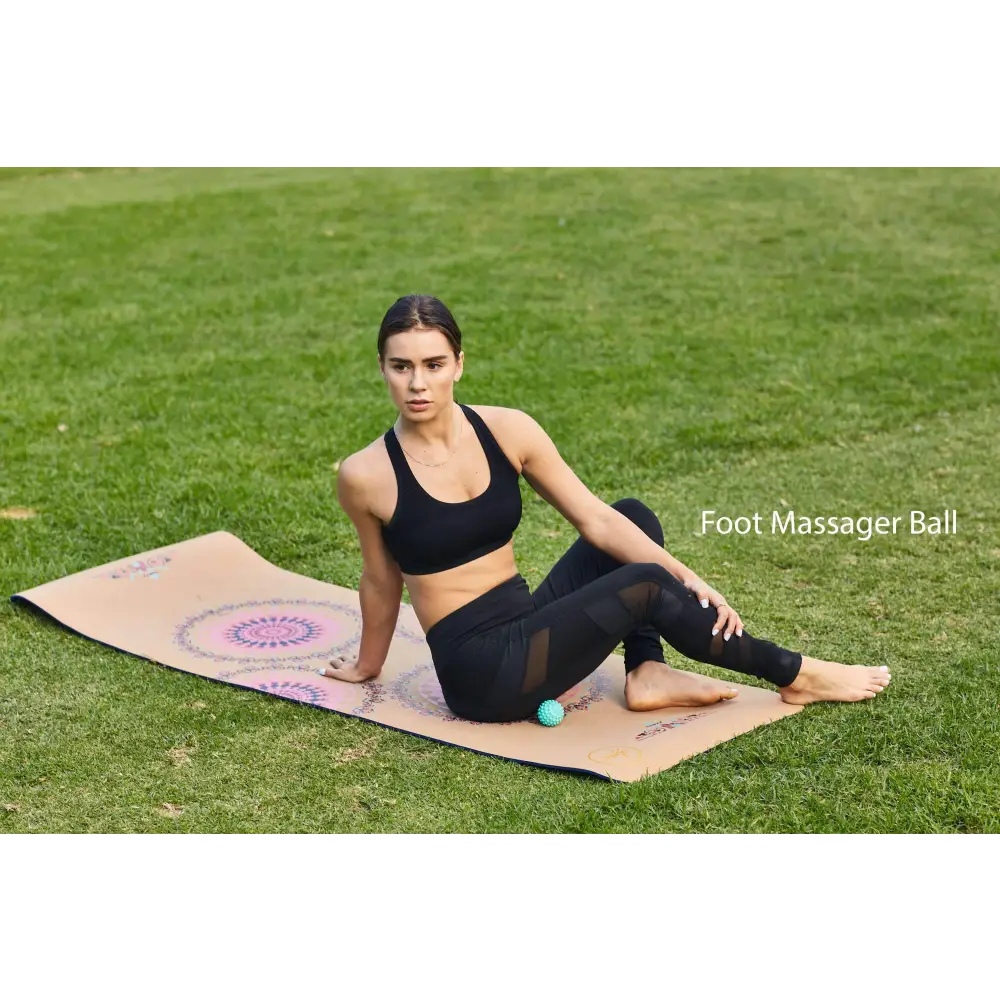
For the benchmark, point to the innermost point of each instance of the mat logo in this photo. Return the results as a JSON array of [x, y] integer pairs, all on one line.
[[652, 728], [149, 569], [617, 755]]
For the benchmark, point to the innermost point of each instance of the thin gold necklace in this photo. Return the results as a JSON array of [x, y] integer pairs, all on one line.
[[434, 465]]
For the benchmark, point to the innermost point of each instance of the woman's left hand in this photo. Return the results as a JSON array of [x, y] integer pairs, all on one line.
[[728, 620], [347, 668]]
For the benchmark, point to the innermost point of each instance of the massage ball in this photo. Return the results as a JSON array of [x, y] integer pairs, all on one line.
[[550, 713]]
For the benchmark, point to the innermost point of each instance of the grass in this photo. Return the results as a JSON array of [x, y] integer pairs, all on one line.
[[746, 340]]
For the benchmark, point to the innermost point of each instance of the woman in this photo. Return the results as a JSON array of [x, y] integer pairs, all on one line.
[[436, 501]]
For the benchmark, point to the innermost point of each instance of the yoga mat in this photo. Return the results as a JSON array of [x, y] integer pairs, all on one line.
[[212, 606]]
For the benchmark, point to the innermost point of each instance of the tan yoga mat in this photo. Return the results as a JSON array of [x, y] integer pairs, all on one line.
[[212, 606]]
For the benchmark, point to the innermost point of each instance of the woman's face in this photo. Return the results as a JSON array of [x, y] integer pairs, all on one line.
[[419, 364]]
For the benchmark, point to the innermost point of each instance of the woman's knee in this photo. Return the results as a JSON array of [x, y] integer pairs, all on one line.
[[641, 516], [649, 572], [647, 590]]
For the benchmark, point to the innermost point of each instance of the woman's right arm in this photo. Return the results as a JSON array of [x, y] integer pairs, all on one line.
[[381, 586]]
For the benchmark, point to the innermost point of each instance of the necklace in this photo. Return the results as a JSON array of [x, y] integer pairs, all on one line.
[[434, 465]]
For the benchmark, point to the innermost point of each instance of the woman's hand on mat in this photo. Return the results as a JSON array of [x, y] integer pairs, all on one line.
[[728, 620], [346, 668]]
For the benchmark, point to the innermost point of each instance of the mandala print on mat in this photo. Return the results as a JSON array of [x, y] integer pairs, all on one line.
[[279, 631], [306, 686], [419, 690], [374, 695], [581, 696], [414, 635], [149, 569], [404, 632], [271, 631], [331, 693], [295, 690], [328, 697]]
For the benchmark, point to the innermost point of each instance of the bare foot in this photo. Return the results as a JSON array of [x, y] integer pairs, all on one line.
[[654, 685], [821, 680]]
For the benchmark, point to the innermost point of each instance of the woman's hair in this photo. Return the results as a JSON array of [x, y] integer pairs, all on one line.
[[419, 310]]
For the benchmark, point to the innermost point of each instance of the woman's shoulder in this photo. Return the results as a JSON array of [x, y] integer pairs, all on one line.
[[514, 421], [510, 427], [364, 470], [506, 415]]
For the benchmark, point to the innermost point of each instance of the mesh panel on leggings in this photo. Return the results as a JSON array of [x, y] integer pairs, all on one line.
[[563, 652], [538, 656], [637, 598], [688, 628], [589, 636]]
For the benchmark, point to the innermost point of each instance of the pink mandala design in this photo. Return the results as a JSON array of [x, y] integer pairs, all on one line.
[[271, 632], [305, 685], [404, 632], [420, 691]]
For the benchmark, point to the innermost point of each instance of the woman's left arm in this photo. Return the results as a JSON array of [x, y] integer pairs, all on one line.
[[604, 527]]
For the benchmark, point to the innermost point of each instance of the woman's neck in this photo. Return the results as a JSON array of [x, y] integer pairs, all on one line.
[[440, 434]]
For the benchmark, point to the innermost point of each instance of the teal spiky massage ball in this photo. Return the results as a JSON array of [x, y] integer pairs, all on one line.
[[550, 713]]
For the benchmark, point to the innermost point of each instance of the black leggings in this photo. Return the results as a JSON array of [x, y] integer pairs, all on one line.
[[504, 653]]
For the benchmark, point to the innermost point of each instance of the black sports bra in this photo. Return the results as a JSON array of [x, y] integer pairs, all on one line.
[[425, 535]]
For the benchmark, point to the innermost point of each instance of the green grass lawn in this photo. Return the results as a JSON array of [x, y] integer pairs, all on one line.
[[746, 340]]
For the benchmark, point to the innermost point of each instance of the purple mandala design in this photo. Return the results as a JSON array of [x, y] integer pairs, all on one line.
[[272, 632], [301, 683], [420, 691], [296, 690], [277, 632]]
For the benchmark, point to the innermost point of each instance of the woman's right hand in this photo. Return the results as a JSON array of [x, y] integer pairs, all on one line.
[[346, 668], [728, 618]]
